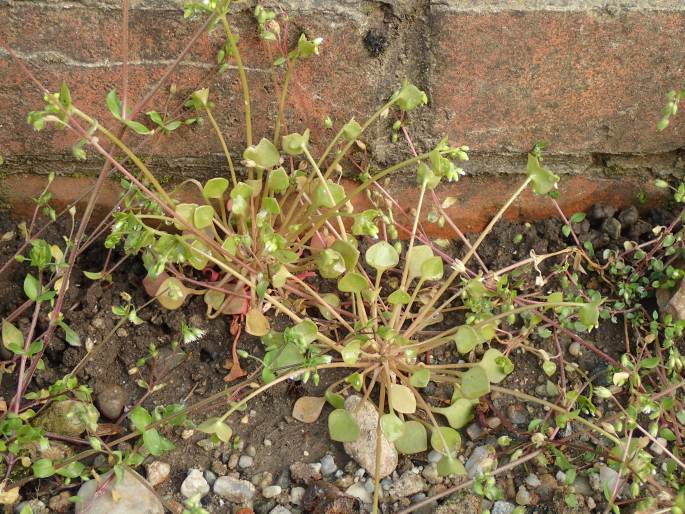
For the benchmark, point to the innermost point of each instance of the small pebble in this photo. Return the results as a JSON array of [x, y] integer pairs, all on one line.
[[532, 480], [296, 495], [271, 491], [233, 460], [502, 507], [194, 484], [523, 496], [574, 349], [245, 461], [328, 466], [434, 456], [658, 449], [267, 443], [279, 509], [210, 477], [251, 451], [359, 491], [157, 472], [517, 415], [474, 431]]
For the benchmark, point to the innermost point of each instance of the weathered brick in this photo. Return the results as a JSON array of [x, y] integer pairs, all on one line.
[[586, 81]]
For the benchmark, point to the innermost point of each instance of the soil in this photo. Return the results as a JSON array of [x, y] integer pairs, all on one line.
[[196, 370]]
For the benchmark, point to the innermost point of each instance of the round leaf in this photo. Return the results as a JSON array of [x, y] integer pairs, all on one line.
[[414, 438], [399, 297], [420, 378], [215, 187], [416, 256], [382, 256], [256, 323], [342, 427], [467, 339], [352, 282], [475, 383], [350, 353], [450, 436], [171, 294], [449, 466], [493, 370], [392, 426], [330, 263], [432, 269], [459, 413], [264, 154], [402, 399], [307, 409], [332, 302]]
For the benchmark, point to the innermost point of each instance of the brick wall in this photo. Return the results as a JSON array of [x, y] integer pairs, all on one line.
[[588, 76]]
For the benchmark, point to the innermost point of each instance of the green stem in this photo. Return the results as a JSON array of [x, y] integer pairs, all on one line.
[[281, 102], [243, 77], [216, 128]]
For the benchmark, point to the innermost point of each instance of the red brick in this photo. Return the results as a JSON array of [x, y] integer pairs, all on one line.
[[583, 81]]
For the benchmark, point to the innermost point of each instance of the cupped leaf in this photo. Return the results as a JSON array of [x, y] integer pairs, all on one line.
[[432, 269], [330, 263], [215, 187], [198, 255], [12, 338], [256, 323], [342, 426], [351, 130], [337, 401], [491, 364], [352, 282], [263, 155], [278, 180], [382, 256], [588, 314], [350, 352], [449, 436], [203, 216], [420, 378], [185, 211], [467, 338], [216, 427], [402, 399], [332, 302], [543, 179], [414, 439], [295, 144], [328, 195], [348, 250], [450, 466], [458, 414], [399, 297], [475, 383], [171, 293], [392, 426], [416, 256], [409, 97]]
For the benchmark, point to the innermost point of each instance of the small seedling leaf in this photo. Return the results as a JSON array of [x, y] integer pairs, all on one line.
[[416, 257], [402, 399], [352, 282], [414, 439], [215, 187], [342, 427], [475, 383], [382, 256], [392, 426], [420, 378], [459, 413], [449, 436]]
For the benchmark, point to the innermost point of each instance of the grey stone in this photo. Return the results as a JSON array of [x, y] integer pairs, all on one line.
[[194, 484], [481, 461], [132, 496], [271, 491], [157, 472], [210, 477], [612, 228], [296, 495], [363, 450], [234, 489], [523, 496], [359, 491], [628, 217], [279, 509], [502, 507], [408, 484], [111, 400], [37, 507], [245, 461], [328, 466]]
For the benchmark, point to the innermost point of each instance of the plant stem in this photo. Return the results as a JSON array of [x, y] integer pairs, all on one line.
[[281, 102], [217, 130], [243, 78]]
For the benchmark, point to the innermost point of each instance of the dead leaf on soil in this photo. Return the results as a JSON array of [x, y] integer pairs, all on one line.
[[307, 409]]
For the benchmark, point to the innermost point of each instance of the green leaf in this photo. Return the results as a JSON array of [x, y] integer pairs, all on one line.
[[295, 144], [350, 352], [588, 314], [278, 180], [420, 378], [337, 401], [332, 301], [215, 187], [467, 338], [217, 427], [449, 466], [352, 282], [416, 257], [71, 337], [31, 287], [402, 399], [458, 414], [650, 363], [382, 256], [264, 154], [491, 364], [348, 251], [11, 336], [432, 269], [330, 263], [578, 217], [140, 418], [203, 216], [392, 427], [201, 97], [351, 130], [65, 96], [113, 103], [475, 383], [543, 179], [342, 427], [153, 441], [322, 198], [414, 438], [43, 468], [138, 127], [399, 297], [450, 436], [72, 470], [409, 97], [93, 275]]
